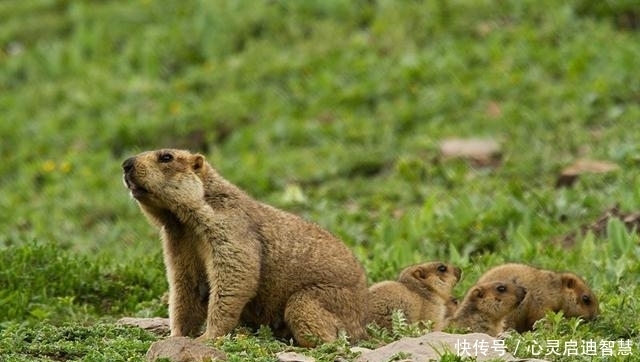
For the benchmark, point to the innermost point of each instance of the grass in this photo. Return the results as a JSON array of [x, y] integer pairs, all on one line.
[[331, 109]]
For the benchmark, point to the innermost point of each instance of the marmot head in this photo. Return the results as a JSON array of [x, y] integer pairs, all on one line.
[[158, 178], [496, 299], [452, 305], [435, 277], [577, 299]]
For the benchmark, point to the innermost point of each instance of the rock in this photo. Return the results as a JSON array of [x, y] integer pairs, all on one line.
[[599, 227], [361, 350], [481, 152], [155, 325], [432, 345], [570, 174], [293, 357], [183, 349]]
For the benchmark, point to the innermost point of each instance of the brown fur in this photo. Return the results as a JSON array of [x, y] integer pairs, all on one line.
[[452, 307], [232, 259], [486, 306], [547, 291], [422, 292]]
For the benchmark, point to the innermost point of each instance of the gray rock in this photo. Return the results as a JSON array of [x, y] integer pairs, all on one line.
[[432, 345], [361, 350], [183, 349], [294, 357], [155, 325]]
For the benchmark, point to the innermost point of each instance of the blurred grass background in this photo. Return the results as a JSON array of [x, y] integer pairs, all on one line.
[[332, 109]]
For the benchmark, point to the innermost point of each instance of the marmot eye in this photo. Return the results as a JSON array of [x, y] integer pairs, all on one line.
[[165, 157], [442, 268], [586, 300], [501, 288]]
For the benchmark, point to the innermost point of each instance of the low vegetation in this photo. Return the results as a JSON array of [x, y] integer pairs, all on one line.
[[334, 110]]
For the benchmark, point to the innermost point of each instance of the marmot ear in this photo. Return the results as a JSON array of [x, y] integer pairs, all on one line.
[[478, 292], [568, 280], [198, 162], [419, 273]]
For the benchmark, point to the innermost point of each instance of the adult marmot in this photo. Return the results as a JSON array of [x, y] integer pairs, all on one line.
[[546, 291], [486, 306], [422, 292], [255, 264]]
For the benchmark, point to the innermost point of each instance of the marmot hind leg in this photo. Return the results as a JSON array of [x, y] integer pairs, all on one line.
[[309, 322], [312, 323]]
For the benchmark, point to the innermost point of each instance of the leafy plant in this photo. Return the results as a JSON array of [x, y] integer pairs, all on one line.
[[334, 110]]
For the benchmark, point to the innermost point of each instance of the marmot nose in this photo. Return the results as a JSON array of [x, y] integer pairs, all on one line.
[[128, 164]]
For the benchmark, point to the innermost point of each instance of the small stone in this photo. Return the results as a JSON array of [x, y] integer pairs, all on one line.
[[183, 349], [432, 345], [482, 152], [293, 357], [360, 350], [154, 325], [570, 174]]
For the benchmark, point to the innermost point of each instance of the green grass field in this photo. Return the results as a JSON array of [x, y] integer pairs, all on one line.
[[331, 109]]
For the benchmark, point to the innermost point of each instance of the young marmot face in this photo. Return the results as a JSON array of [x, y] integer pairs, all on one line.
[[433, 277], [578, 300], [158, 178], [496, 299]]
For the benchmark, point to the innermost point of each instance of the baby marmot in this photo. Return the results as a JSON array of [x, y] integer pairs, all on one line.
[[486, 306], [546, 291], [422, 292]]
